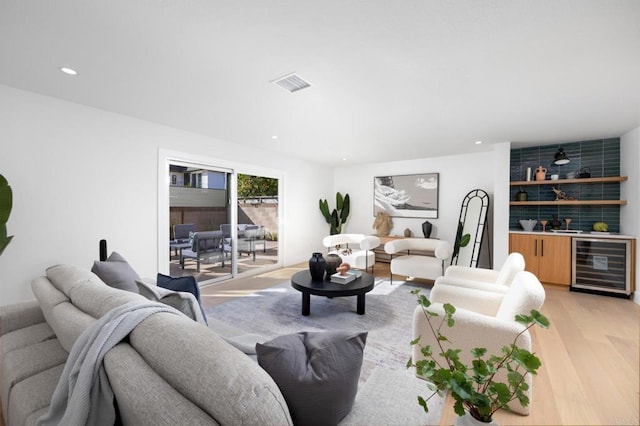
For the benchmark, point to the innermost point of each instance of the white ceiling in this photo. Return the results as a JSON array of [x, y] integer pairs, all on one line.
[[390, 80]]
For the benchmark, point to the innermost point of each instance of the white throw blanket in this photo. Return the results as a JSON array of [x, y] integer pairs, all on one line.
[[83, 395]]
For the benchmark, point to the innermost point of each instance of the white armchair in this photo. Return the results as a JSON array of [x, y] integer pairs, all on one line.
[[429, 266], [494, 280], [354, 249], [476, 325]]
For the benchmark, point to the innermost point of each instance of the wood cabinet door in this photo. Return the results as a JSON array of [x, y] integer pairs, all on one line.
[[554, 259], [548, 257], [526, 246]]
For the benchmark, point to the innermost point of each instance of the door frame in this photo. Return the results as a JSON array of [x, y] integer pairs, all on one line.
[[165, 157]]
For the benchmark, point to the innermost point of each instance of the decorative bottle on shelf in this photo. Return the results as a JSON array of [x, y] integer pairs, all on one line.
[[541, 173], [317, 266], [555, 223]]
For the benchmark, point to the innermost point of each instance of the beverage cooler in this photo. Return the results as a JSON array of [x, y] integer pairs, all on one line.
[[602, 265]]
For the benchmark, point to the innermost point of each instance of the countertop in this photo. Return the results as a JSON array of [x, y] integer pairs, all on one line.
[[576, 234]]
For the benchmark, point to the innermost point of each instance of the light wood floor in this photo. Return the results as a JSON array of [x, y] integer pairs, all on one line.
[[590, 356]]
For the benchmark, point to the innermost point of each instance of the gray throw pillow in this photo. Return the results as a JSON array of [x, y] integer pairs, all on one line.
[[182, 301], [317, 373], [116, 272]]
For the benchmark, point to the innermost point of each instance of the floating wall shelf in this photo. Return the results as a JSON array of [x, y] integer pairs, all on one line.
[[569, 202], [612, 179]]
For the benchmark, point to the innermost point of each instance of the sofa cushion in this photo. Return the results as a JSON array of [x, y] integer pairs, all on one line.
[[317, 372], [72, 298], [33, 394], [25, 337], [116, 272], [182, 301], [23, 363], [212, 374], [144, 397]]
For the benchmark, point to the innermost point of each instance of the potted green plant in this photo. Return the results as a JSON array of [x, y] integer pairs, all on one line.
[[339, 215], [6, 202], [475, 387]]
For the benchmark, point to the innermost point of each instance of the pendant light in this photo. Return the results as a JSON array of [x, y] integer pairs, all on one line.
[[561, 158]]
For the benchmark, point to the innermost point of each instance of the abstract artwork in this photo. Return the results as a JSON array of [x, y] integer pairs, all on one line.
[[406, 195]]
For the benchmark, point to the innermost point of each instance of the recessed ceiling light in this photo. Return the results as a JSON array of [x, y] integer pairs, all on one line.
[[478, 142], [69, 71], [274, 137]]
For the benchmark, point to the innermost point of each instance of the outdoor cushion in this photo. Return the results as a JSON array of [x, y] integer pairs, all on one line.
[[116, 272], [317, 372]]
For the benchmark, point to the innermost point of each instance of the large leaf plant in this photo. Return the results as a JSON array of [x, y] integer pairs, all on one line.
[[6, 202], [339, 215]]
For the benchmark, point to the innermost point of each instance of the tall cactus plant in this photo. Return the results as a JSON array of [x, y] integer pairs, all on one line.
[[6, 201], [339, 215]]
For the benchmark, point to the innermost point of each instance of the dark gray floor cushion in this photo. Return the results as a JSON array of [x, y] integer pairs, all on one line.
[[116, 272], [317, 372]]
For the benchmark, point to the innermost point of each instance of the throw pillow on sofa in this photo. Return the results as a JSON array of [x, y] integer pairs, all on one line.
[[116, 272], [182, 301], [188, 284], [317, 373]]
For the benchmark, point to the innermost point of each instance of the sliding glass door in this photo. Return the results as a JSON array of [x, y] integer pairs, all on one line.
[[219, 222], [257, 206], [198, 212]]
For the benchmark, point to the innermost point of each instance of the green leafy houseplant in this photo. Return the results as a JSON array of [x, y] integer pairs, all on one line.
[[339, 215], [6, 202], [475, 387]]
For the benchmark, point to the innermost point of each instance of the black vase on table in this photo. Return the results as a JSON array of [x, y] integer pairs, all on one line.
[[555, 223], [426, 229], [317, 266], [333, 261]]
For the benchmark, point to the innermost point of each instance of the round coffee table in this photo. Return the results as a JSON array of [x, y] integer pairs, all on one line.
[[302, 282]]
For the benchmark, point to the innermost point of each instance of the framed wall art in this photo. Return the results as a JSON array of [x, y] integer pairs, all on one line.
[[406, 195]]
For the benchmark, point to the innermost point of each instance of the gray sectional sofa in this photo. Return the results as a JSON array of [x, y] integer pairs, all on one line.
[[170, 370]]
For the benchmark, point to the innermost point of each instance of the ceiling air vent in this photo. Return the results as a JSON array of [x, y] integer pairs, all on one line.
[[291, 83]]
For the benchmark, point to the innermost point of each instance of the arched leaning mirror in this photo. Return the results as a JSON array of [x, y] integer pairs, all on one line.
[[471, 228]]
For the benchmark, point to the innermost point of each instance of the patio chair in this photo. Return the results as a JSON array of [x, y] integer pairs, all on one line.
[[180, 239], [254, 237], [204, 246]]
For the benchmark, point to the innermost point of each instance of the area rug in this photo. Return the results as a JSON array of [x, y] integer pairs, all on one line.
[[388, 320]]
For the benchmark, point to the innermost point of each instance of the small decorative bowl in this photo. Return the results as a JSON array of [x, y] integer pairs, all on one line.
[[528, 224]]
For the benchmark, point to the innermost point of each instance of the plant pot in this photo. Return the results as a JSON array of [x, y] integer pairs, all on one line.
[[469, 420]]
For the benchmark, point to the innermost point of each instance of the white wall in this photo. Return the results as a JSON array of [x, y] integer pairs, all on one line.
[[80, 174], [459, 174], [501, 164], [630, 191]]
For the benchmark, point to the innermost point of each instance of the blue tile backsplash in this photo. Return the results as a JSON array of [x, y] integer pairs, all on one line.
[[601, 158]]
